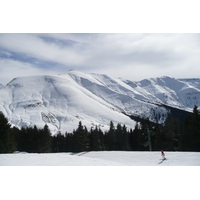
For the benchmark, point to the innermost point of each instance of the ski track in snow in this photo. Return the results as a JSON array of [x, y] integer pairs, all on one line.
[[101, 158]]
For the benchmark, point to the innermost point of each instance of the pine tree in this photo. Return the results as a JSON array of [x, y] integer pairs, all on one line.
[[7, 139], [102, 139], [60, 142], [159, 138], [126, 141], [111, 138], [134, 137], [81, 139], [119, 137], [190, 135], [171, 133], [95, 140], [45, 140], [122, 138], [143, 135], [16, 132], [33, 139], [69, 142]]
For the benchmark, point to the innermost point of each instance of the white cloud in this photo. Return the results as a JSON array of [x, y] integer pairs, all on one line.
[[132, 56], [35, 47], [10, 69]]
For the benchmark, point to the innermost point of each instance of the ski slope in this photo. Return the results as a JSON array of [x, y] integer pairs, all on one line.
[[101, 158], [86, 176]]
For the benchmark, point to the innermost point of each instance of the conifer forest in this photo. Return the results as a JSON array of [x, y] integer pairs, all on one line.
[[173, 135]]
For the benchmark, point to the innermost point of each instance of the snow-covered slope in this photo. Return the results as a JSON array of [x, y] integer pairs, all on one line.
[[179, 93], [63, 100], [58, 101], [128, 175], [101, 158], [119, 94]]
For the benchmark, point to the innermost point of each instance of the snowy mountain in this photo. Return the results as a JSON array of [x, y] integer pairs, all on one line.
[[63, 100], [179, 93]]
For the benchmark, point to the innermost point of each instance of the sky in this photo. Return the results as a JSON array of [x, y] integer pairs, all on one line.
[[132, 56], [128, 39]]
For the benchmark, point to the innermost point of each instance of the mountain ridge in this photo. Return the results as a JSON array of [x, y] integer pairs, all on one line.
[[61, 101]]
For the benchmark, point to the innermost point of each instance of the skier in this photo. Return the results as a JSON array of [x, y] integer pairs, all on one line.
[[163, 154]]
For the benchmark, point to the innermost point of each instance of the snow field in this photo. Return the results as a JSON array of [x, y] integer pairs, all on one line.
[[87, 177], [101, 158]]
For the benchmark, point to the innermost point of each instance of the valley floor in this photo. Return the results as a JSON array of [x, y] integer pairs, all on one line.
[[101, 158]]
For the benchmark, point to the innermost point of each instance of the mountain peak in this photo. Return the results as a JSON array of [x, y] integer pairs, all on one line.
[[95, 99]]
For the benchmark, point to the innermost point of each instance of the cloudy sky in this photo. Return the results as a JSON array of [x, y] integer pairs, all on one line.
[[130, 56]]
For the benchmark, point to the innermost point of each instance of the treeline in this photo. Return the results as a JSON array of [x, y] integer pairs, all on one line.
[[31, 139], [145, 136]]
